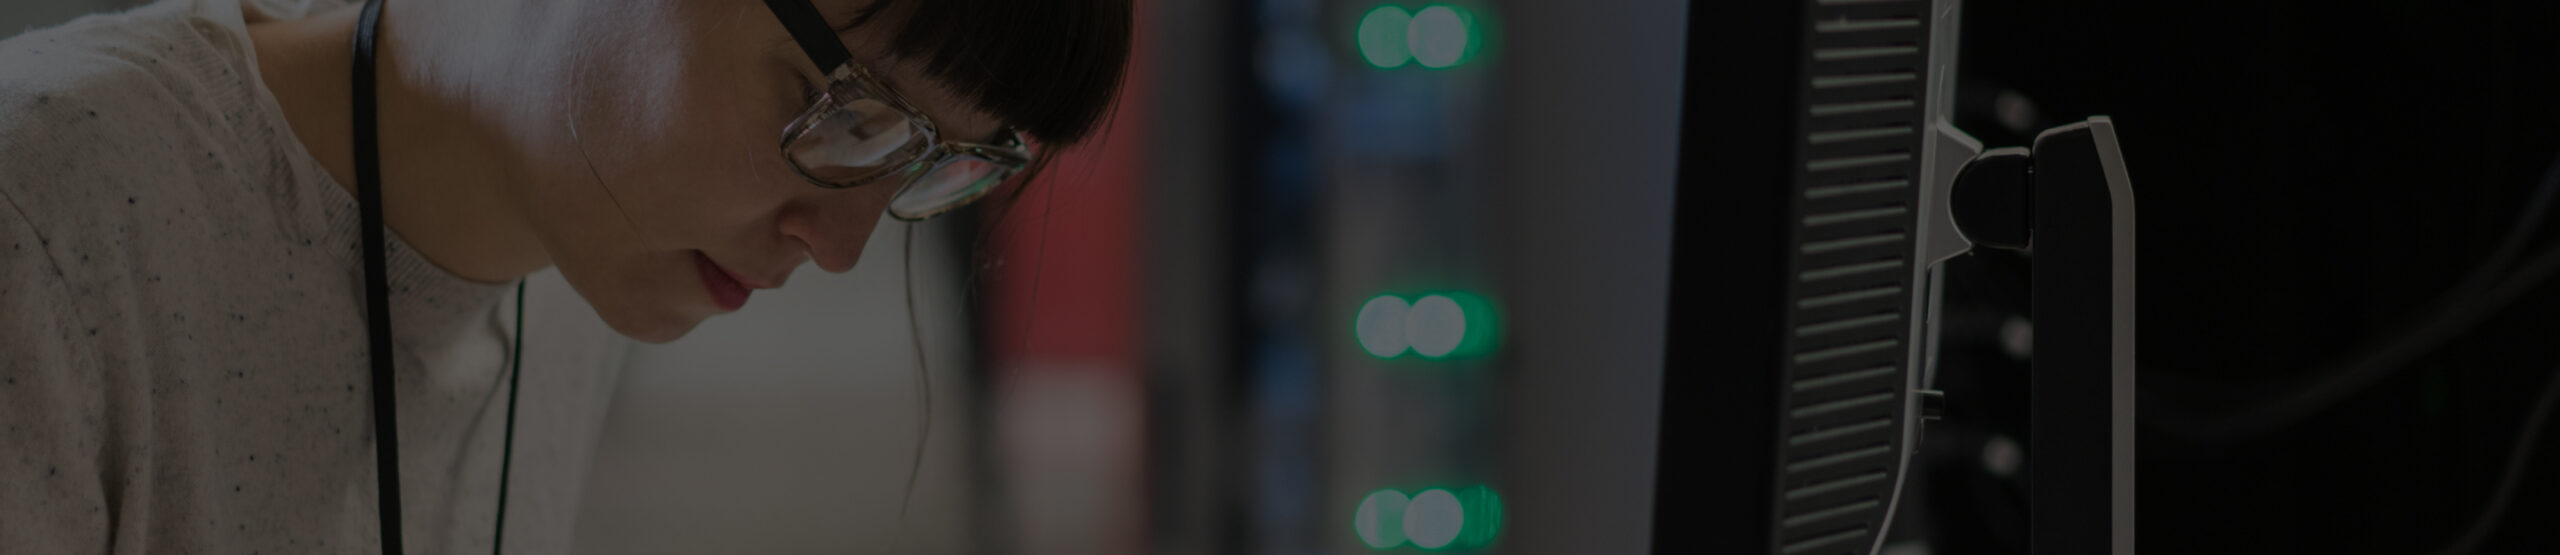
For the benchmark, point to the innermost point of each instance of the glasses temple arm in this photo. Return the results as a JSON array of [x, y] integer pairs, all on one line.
[[809, 28]]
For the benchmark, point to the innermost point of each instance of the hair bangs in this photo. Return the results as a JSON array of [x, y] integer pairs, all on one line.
[[1048, 67]]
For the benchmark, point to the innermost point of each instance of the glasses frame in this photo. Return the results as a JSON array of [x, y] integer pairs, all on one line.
[[848, 82]]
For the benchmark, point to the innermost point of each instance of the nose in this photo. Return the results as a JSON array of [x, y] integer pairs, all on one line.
[[832, 233]]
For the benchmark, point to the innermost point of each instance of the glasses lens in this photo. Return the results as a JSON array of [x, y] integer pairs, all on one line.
[[948, 187], [860, 141]]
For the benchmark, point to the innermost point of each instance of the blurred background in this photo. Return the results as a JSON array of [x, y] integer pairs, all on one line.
[[1337, 259]]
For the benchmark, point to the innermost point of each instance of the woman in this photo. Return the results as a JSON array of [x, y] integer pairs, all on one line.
[[185, 327]]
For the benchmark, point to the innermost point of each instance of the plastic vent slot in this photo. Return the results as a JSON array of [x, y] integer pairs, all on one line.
[[1857, 161]]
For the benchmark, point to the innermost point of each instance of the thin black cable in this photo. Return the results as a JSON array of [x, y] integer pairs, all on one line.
[[377, 285], [507, 449], [2471, 300], [2527, 439]]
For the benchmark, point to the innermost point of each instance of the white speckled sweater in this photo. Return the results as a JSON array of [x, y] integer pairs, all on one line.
[[182, 353]]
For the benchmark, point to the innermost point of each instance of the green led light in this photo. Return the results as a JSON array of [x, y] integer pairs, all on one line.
[[1434, 326], [1380, 519], [1440, 36], [1382, 37], [1380, 326], [1433, 519], [1483, 517], [1437, 326], [1463, 518], [1483, 325]]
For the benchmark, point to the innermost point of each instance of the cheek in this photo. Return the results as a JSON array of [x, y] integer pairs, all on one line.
[[666, 157], [697, 155]]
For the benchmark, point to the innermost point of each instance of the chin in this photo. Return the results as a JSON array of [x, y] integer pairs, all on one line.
[[640, 299]]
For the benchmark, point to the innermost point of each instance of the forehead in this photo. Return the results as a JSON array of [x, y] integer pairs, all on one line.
[[957, 116]]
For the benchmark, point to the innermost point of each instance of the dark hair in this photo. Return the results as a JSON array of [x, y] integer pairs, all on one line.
[[1048, 67]]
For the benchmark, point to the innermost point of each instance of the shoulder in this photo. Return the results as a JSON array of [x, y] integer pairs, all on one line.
[[168, 46], [147, 122], [69, 96], [103, 95], [122, 85]]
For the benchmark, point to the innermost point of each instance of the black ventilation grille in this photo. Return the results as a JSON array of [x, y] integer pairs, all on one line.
[[1857, 176]]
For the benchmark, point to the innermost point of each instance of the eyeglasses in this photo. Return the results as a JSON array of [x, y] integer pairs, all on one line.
[[860, 132]]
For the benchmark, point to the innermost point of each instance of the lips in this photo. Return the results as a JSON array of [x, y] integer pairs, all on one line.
[[726, 290]]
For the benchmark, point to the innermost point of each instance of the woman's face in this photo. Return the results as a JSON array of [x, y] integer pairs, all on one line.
[[660, 184]]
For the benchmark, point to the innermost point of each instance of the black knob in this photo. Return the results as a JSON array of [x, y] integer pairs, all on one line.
[[1990, 199]]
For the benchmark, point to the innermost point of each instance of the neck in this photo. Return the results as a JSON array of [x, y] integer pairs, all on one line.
[[449, 187]]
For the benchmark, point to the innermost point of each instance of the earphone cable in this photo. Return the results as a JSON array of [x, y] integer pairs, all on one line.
[[507, 449]]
